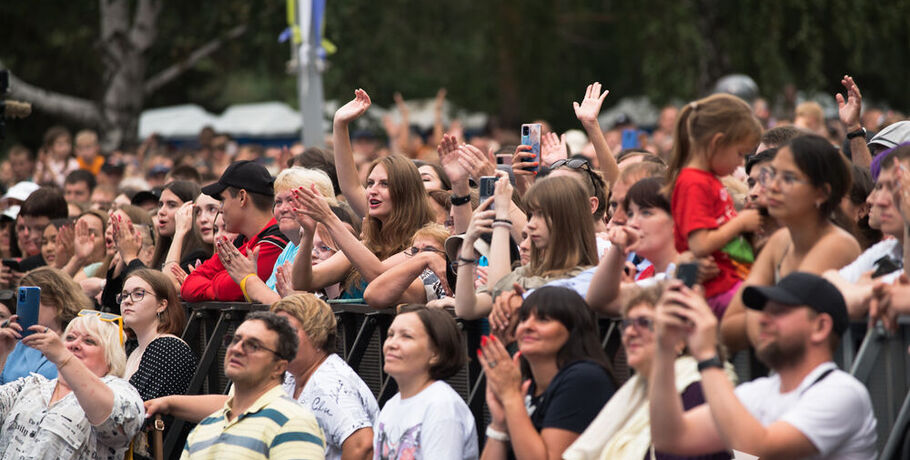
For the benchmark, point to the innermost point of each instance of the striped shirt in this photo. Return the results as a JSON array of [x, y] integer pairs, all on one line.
[[274, 427]]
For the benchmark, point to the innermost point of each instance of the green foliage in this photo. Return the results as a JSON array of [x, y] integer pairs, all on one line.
[[516, 59]]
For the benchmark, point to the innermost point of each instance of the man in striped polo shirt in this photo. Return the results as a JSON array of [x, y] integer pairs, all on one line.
[[259, 421]]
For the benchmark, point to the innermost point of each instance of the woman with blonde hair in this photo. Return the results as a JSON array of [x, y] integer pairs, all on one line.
[[421, 278], [61, 299], [88, 411]]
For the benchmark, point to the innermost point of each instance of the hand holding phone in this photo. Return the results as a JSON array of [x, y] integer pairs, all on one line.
[[27, 305], [688, 273], [530, 136], [487, 189]]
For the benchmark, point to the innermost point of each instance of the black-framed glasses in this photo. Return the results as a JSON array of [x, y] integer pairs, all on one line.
[[575, 163], [640, 322], [249, 345], [413, 251], [136, 296]]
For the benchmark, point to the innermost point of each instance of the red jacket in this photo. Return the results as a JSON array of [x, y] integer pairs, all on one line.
[[210, 281]]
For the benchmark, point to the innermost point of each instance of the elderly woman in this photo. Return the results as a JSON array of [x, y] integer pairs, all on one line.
[[61, 299], [88, 412], [622, 429], [563, 371]]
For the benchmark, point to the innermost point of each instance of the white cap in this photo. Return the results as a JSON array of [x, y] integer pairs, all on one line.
[[12, 212], [20, 191]]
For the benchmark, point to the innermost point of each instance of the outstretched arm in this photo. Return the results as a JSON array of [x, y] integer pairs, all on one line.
[[849, 112], [587, 113], [345, 167]]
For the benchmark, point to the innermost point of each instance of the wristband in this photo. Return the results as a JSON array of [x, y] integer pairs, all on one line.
[[465, 261], [861, 132], [243, 286], [65, 362], [504, 221], [713, 361], [501, 224], [497, 435], [460, 200]]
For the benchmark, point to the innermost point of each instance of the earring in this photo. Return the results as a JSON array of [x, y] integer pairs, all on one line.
[[159, 314]]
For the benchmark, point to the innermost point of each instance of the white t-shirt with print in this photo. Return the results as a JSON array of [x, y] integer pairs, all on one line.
[[340, 400], [434, 424], [835, 413]]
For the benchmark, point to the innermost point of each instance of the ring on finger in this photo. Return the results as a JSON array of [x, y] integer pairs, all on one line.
[[492, 364]]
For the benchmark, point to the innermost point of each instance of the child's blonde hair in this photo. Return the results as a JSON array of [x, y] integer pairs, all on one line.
[[699, 121]]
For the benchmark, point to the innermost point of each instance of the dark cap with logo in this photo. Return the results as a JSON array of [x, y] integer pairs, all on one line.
[[248, 175], [798, 289]]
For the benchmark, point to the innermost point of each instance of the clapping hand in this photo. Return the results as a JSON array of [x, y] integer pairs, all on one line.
[[553, 148], [237, 265], [449, 158]]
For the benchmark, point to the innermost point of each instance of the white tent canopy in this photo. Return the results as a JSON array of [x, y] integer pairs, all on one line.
[[265, 119], [179, 121]]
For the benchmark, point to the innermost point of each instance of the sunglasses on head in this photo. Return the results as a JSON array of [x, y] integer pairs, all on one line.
[[106, 317]]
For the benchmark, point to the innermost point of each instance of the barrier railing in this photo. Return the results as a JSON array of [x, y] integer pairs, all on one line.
[[361, 332]]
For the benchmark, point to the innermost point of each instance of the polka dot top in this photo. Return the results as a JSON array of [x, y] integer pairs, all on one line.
[[166, 368]]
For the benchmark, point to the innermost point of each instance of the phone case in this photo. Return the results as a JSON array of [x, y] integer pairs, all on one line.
[[487, 188], [531, 136], [27, 305]]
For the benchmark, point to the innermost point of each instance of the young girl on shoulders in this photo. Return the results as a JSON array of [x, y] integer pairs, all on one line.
[[713, 136]]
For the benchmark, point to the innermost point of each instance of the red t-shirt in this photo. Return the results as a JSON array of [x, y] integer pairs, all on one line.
[[699, 202]]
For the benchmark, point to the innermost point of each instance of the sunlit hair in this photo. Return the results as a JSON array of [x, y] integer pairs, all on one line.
[[297, 176], [434, 231], [569, 309], [699, 121], [173, 319], [315, 317], [58, 290], [564, 205], [410, 208], [108, 335]]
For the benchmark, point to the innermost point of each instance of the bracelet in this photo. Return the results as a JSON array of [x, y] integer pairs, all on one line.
[[460, 200], [501, 224], [462, 261], [243, 286], [500, 436], [65, 362], [505, 221]]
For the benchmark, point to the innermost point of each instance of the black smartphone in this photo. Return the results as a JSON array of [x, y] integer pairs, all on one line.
[[688, 273], [13, 264], [884, 266], [486, 189]]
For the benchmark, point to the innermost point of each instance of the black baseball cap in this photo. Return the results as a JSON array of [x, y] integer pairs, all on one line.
[[802, 289], [145, 196], [248, 175]]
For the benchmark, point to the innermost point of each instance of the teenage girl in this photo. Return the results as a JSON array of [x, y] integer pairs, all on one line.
[[713, 136]]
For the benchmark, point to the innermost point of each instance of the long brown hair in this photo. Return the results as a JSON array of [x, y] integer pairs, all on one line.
[[410, 209], [186, 191], [699, 121], [563, 203]]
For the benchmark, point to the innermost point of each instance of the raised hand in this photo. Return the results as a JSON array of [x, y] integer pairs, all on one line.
[[589, 109], [306, 222], [127, 239], [481, 222], [183, 219], [475, 162], [64, 245], [353, 109], [502, 194], [449, 158], [84, 243], [553, 148], [314, 204], [849, 110]]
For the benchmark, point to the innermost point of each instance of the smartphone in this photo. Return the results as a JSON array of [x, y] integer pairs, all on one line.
[[688, 273], [884, 266], [27, 305], [530, 135], [487, 188], [630, 139], [13, 264]]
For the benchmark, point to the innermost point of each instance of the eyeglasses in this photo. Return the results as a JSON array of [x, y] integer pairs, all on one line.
[[136, 296], [323, 249], [575, 163], [641, 322], [106, 317], [249, 345], [413, 251], [767, 176]]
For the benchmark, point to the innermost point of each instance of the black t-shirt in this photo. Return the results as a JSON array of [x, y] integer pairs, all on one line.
[[574, 398]]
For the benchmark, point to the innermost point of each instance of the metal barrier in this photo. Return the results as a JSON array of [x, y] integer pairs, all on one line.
[[360, 334], [882, 365]]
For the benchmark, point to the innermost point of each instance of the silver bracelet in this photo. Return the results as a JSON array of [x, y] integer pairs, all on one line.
[[497, 435]]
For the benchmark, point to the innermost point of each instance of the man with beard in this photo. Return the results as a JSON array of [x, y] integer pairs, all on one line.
[[806, 409]]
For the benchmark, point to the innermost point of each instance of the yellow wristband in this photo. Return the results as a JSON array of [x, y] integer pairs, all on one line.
[[243, 286]]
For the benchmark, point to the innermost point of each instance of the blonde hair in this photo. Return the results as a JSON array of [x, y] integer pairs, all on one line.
[[87, 134], [108, 333], [433, 230], [297, 176], [813, 111], [699, 121], [315, 317]]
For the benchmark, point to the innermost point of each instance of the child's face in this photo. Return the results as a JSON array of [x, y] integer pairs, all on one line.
[[727, 158]]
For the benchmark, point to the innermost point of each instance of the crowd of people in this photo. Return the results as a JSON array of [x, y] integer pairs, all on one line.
[[720, 230]]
